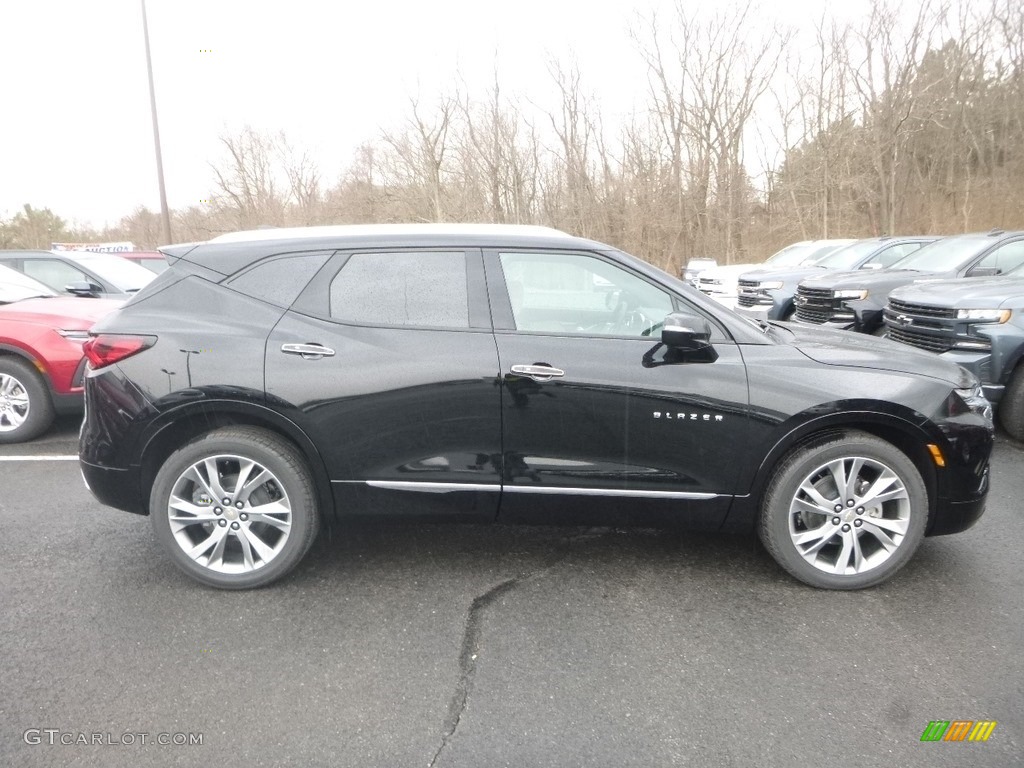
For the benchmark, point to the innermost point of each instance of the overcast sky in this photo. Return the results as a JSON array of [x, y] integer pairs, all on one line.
[[76, 137]]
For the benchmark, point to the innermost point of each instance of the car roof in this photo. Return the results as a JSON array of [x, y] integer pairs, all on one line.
[[28, 253], [386, 230], [230, 252]]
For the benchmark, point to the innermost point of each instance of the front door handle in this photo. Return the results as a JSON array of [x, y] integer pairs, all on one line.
[[307, 351], [538, 371]]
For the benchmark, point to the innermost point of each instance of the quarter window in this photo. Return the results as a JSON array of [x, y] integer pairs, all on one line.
[[425, 288], [567, 293], [280, 281]]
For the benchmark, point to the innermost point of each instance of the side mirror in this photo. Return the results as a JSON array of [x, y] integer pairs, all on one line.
[[686, 332], [82, 288]]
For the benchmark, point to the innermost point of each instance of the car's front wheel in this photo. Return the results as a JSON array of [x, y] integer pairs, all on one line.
[[235, 508], [26, 410], [845, 513]]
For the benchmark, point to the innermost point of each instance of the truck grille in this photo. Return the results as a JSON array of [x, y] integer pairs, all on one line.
[[920, 310], [748, 293], [815, 305], [920, 340]]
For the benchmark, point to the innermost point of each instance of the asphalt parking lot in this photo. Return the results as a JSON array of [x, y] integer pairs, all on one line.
[[423, 645]]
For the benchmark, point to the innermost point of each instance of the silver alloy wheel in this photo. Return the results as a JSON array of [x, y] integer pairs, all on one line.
[[229, 514], [849, 515], [14, 403]]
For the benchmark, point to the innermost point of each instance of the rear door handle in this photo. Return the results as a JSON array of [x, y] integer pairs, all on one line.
[[307, 351], [538, 372]]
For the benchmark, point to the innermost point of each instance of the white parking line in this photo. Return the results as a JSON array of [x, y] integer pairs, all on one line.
[[55, 457]]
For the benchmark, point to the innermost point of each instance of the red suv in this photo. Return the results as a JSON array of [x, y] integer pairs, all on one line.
[[41, 362]]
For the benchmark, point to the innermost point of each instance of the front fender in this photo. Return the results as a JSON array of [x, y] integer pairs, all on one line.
[[907, 429]]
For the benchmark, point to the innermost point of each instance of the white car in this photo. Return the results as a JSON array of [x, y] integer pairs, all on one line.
[[694, 267], [722, 283]]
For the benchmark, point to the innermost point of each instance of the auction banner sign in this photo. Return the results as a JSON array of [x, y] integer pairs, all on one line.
[[95, 247]]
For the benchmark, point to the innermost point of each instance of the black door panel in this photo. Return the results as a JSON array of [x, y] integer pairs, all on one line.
[[407, 418], [393, 406], [623, 428]]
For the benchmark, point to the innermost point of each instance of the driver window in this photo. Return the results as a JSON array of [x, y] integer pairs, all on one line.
[[567, 293], [54, 273], [1003, 259]]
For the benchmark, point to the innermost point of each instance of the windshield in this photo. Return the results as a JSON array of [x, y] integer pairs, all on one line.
[[791, 255], [850, 256], [14, 286], [946, 254], [816, 255], [126, 275]]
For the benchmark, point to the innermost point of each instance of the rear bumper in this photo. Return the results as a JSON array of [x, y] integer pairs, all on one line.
[[118, 488]]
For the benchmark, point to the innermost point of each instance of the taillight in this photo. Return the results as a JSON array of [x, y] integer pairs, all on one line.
[[107, 349]]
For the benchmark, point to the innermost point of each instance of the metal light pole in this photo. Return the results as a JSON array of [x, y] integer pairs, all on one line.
[[164, 213]]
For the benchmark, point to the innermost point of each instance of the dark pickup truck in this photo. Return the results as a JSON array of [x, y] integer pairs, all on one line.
[[855, 300], [978, 323]]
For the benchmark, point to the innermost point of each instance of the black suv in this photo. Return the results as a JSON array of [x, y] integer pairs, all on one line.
[[855, 300], [268, 381]]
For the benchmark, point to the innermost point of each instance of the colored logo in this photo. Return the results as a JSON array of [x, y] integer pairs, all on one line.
[[958, 730]]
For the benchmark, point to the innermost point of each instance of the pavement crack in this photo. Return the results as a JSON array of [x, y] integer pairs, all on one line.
[[470, 649], [467, 660]]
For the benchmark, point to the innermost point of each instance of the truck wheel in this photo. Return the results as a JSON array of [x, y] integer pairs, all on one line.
[[845, 513], [1011, 407]]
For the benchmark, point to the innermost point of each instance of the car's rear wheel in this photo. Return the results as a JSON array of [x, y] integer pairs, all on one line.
[[235, 508], [846, 513], [26, 410]]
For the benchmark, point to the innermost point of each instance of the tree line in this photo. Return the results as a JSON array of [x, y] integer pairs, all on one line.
[[749, 136]]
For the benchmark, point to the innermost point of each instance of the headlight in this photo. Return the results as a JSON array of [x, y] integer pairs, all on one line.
[[974, 400], [984, 315], [861, 293], [770, 285]]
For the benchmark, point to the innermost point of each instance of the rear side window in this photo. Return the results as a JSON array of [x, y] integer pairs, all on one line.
[[425, 288], [280, 280]]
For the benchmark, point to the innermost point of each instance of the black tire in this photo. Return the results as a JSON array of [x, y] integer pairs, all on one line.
[[26, 410], [1011, 406], [287, 532], [784, 518]]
